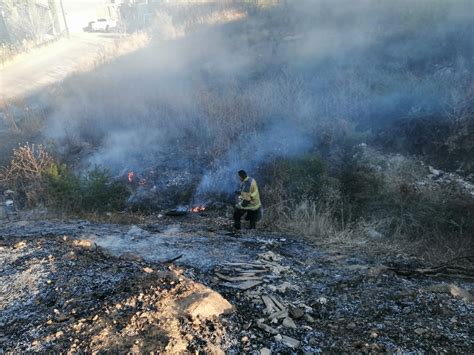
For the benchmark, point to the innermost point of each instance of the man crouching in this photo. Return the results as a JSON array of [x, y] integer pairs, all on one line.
[[248, 201]]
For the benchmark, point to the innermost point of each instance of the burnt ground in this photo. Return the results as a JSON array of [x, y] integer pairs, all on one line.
[[117, 293]]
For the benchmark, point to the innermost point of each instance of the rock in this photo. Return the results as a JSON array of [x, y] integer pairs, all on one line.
[[376, 271], [351, 325], [85, 244], [136, 232], [461, 293], [270, 256], [267, 328], [20, 245], [454, 290], [322, 300], [290, 342], [206, 304], [286, 286], [309, 319], [131, 256], [434, 171], [61, 317], [265, 351], [420, 331], [296, 312], [69, 256], [315, 272], [147, 270], [289, 323], [59, 334], [279, 314]]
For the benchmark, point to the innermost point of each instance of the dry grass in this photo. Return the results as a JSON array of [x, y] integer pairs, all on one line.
[[307, 219], [121, 46], [25, 172], [311, 221]]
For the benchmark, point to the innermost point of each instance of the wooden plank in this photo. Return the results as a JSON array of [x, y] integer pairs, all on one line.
[[246, 274], [278, 315], [254, 271], [245, 265], [267, 328], [242, 285], [269, 304], [277, 303], [236, 278]]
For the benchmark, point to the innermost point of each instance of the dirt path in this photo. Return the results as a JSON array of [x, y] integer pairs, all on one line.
[[289, 296], [50, 64]]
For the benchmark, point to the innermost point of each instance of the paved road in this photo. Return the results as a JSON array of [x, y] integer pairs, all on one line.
[[47, 65]]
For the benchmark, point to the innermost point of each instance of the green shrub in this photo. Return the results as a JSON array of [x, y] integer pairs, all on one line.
[[100, 193], [93, 192], [63, 188]]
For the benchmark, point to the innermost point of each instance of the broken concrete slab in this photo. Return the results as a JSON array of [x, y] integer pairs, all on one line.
[[246, 285], [290, 342], [289, 323], [279, 315], [267, 328]]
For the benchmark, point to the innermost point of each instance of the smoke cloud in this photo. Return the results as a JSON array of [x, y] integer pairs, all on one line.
[[236, 95]]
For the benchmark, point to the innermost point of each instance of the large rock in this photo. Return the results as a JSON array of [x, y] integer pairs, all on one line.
[[85, 244], [205, 303]]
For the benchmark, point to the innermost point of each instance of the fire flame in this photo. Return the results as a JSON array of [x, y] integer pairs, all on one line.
[[198, 209], [130, 175]]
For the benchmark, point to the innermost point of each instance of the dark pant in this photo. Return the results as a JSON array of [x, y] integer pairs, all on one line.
[[252, 216]]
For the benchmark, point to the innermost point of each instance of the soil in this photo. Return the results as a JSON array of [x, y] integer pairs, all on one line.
[[82, 286]]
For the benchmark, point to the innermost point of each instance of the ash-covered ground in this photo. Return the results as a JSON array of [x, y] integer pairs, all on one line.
[[83, 286]]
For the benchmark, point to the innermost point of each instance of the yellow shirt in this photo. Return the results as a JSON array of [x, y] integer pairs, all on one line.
[[249, 192]]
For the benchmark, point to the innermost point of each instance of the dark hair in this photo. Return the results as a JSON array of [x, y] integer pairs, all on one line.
[[242, 173]]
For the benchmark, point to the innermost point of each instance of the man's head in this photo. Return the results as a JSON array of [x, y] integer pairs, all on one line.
[[242, 175]]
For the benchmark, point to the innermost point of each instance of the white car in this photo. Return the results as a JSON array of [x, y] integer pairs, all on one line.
[[101, 25]]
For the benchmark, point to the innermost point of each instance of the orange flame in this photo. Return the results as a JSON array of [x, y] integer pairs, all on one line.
[[130, 175], [198, 209]]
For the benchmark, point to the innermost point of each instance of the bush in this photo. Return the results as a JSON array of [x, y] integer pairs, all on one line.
[[25, 172], [433, 218], [93, 192], [37, 179], [300, 198], [63, 189], [361, 187], [298, 179], [101, 194]]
